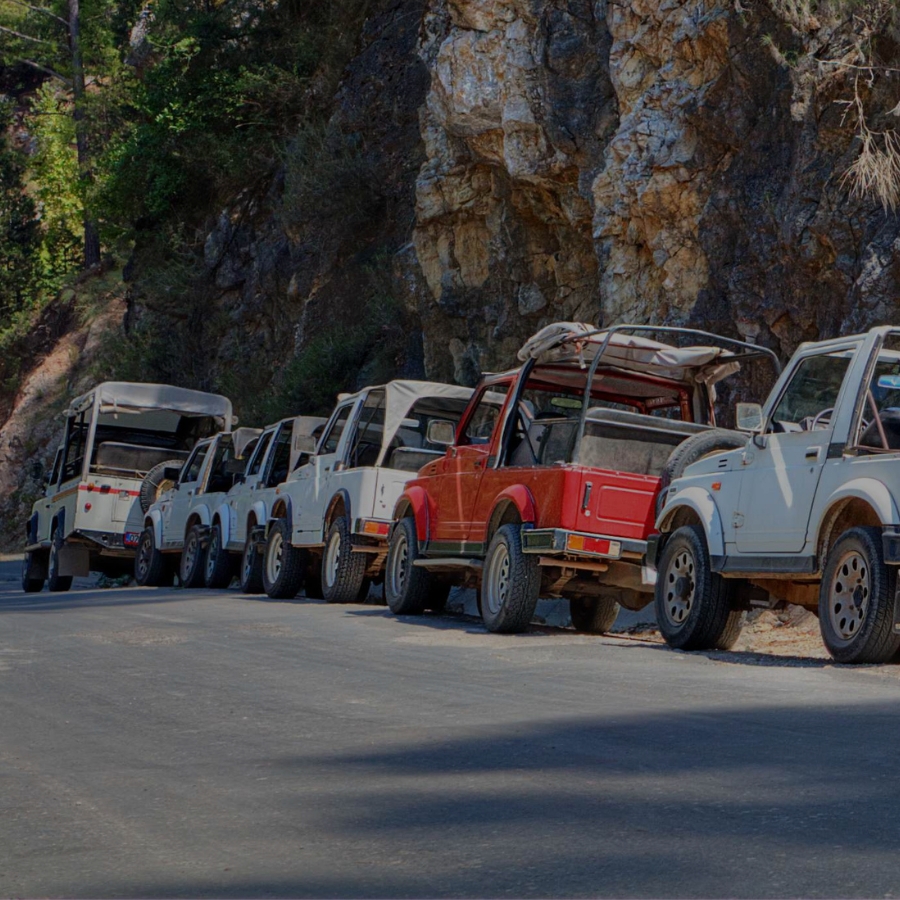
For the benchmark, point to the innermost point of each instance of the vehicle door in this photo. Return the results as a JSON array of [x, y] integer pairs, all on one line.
[[356, 473], [782, 466], [73, 465], [244, 495], [175, 508], [50, 490], [465, 464], [313, 481]]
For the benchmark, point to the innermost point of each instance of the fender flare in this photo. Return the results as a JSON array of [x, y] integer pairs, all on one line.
[[223, 513], [289, 512], [701, 502], [420, 502], [871, 491], [31, 529], [200, 512], [343, 495], [153, 519], [261, 513], [58, 523], [519, 496]]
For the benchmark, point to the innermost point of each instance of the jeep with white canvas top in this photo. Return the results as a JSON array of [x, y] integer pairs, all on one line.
[[330, 520], [90, 517], [238, 530], [807, 512], [176, 525]]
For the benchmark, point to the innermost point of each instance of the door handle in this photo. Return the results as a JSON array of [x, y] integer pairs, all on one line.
[[813, 453]]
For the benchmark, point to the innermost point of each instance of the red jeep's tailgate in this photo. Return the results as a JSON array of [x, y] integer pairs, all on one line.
[[618, 504]]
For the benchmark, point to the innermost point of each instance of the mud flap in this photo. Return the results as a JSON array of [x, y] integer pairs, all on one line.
[[75, 561]]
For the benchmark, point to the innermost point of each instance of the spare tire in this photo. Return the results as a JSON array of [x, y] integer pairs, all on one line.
[[155, 482], [693, 449]]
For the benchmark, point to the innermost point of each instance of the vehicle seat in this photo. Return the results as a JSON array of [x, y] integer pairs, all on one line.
[[890, 420]]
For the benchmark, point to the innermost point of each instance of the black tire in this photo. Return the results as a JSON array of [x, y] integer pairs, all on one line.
[[55, 582], [856, 600], [154, 483], [593, 615], [693, 603], [218, 570], [33, 569], [193, 559], [282, 564], [409, 589], [510, 584], [343, 571], [152, 568], [252, 561], [694, 449]]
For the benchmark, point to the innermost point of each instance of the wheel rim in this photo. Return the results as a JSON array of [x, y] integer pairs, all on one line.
[[399, 565], [332, 558], [848, 597], [144, 558], [497, 583], [247, 566], [680, 588], [211, 553], [273, 557], [190, 552]]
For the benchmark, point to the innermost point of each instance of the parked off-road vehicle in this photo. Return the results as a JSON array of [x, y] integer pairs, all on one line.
[[329, 522], [90, 517], [237, 534], [176, 524], [807, 512], [553, 491]]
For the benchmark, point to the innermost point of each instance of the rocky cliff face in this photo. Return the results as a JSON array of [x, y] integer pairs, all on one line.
[[670, 161]]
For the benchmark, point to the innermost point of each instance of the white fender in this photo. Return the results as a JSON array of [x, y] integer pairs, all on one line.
[[154, 517], [873, 492], [202, 513], [223, 511], [701, 502], [261, 510]]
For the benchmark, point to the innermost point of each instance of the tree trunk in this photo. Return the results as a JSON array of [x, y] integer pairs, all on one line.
[[91, 233]]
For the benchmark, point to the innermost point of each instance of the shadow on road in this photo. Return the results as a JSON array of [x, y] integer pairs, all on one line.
[[14, 601]]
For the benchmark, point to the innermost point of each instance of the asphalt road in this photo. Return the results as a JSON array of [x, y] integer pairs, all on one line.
[[172, 743]]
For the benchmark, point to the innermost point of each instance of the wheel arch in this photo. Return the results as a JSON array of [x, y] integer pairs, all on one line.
[[415, 500], [222, 517], [863, 501], [514, 504], [695, 506], [153, 519], [282, 508], [339, 502]]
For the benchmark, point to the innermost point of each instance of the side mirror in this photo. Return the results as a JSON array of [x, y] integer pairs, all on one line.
[[37, 471], [748, 417], [441, 432], [172, 473], [305, 444]]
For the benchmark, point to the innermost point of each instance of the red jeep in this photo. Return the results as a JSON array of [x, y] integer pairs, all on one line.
[[550, 486]]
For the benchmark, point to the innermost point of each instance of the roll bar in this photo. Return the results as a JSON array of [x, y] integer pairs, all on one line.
[[751, 351]]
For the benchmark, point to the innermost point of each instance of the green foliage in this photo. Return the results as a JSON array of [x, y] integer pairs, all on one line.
[[19, 229], [55, 176]]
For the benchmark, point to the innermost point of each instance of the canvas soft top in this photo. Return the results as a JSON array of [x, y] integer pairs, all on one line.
[[576, 342], [132, 397], [402, 395]]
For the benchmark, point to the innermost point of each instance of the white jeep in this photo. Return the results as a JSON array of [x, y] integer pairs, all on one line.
[[176, 525], [90, 517], [807, 512], [330, 520], [238, 529]]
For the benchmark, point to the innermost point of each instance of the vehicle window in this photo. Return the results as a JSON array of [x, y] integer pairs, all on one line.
[[330, 444], [281, 457], [221, 479], [812, 393], [57, 465], [879, 428], [191, 471], [260, 454], [543, 418], [76, 440], [480, 425], [366, 445]]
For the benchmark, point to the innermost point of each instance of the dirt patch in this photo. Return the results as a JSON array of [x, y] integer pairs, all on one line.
[[137, 637]]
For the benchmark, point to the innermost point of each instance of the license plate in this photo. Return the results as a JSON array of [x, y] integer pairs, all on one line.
[[132, 539]]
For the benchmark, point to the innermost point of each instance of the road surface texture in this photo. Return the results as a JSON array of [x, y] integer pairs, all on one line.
[[170, 743]]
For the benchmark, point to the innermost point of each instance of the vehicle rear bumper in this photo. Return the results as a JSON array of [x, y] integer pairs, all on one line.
[[561, 541], [108, 543]]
